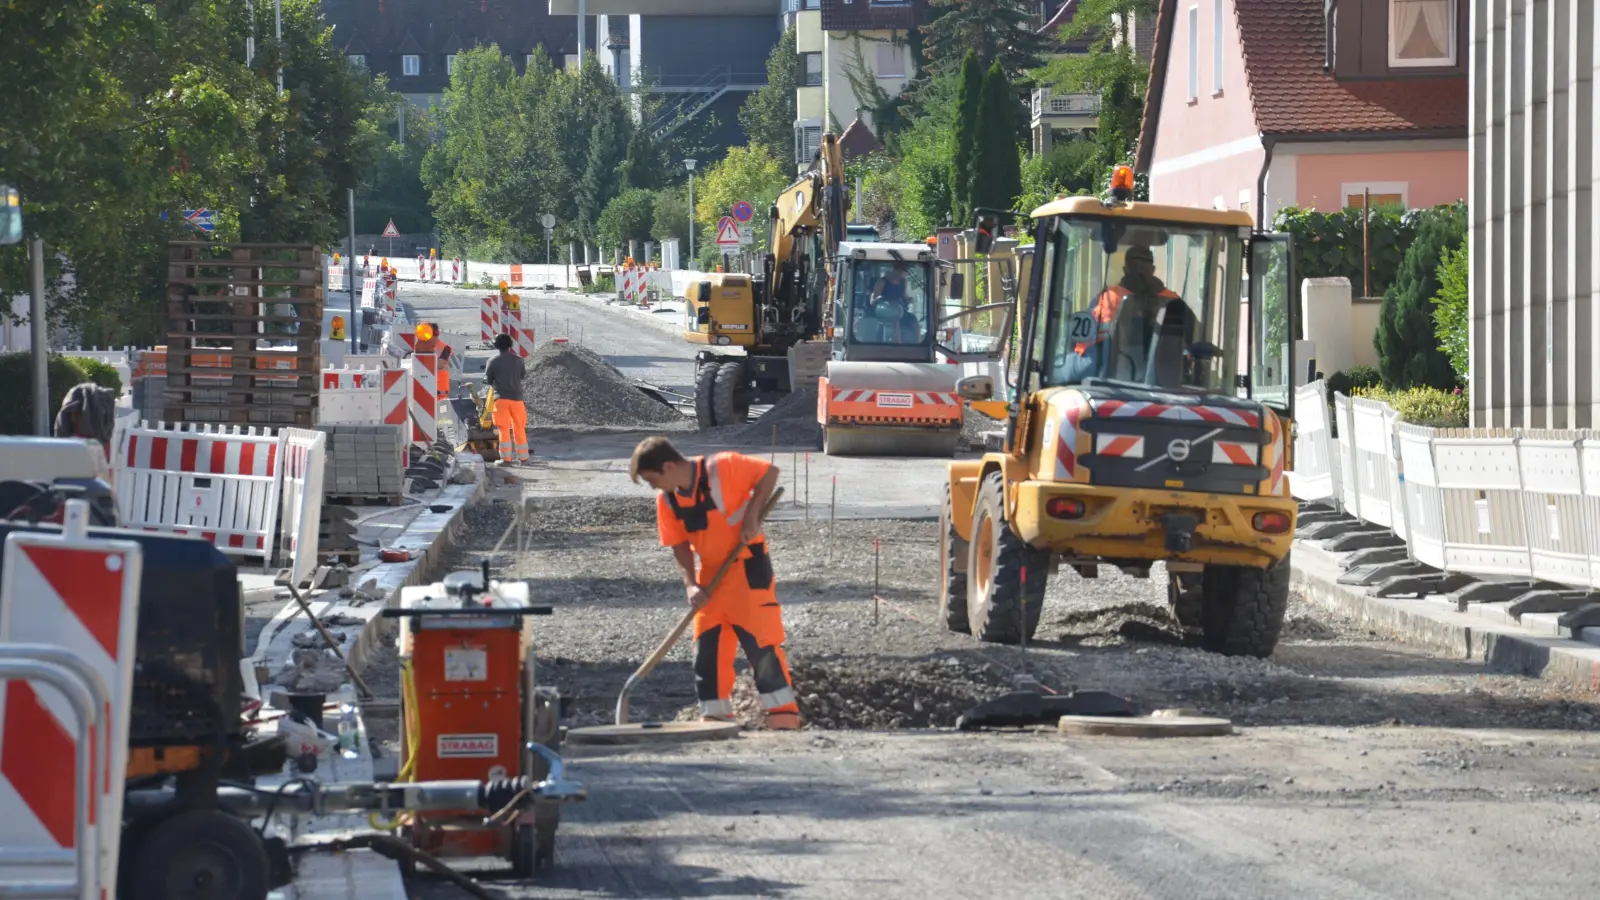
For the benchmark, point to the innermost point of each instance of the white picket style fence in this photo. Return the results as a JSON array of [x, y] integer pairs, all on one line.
[[1494, 502]]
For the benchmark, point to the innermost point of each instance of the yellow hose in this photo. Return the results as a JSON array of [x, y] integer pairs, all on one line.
[[408, 771]]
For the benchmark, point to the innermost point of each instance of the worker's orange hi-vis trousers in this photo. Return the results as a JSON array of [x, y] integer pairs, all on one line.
[[744, 613], [511, 420]]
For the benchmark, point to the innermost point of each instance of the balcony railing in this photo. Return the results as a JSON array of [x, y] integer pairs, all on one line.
[[1045, 104]]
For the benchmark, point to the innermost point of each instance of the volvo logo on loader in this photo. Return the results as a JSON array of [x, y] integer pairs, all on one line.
[[1178, 450]]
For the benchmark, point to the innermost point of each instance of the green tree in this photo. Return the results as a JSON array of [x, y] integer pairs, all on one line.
[[1452, 316], [392, 189], [628, 217], [1069, 168], [968, 93], [998, 31], [918, 189], [996, 162], [642, 168], [1408, 348], [767, 117], [746, 173], [672, 216], [1110, 70]]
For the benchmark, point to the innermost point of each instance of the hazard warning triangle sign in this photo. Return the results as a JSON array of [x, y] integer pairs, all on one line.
[[391, 231], [727, 232]]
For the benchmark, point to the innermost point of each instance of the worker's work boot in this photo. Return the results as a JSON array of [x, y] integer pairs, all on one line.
[[783, 721]]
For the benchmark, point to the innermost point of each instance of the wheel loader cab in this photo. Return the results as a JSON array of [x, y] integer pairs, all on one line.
[[1152, 424]]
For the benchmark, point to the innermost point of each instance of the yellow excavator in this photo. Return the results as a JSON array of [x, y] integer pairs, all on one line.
[[1146, 428], [858, 317]]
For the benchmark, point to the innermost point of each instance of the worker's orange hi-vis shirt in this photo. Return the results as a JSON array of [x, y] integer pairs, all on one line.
[[721, 494]]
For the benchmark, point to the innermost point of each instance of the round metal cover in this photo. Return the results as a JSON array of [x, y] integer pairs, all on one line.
[[653, 732], [1155, 726]]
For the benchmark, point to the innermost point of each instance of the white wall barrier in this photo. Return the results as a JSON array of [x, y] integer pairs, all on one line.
[[1522, 504], [305, 458]]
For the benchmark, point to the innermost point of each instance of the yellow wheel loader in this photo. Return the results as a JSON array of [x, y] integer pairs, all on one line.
[[1151, 425]]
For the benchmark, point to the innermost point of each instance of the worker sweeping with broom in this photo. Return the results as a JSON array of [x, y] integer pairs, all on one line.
[[708, 508]]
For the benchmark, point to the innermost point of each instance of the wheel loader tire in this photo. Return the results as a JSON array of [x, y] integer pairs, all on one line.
[[953, 564], [725, 394], [200, 853], [705, 380], [996, 561], [1244, 608]]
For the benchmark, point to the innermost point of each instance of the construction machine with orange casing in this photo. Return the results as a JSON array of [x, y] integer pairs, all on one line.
[[880, 390], [1149, 427]]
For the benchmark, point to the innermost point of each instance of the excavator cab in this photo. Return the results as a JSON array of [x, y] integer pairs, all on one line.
[[1150, 425]]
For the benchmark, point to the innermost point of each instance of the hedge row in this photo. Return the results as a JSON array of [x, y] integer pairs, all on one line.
[[65, 372]]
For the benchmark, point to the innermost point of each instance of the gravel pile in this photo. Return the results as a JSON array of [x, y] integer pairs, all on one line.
[[570, 386], [877, 694], [973, 426], [793, 420]]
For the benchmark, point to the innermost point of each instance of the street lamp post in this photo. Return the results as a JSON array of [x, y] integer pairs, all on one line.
[[689, 164]]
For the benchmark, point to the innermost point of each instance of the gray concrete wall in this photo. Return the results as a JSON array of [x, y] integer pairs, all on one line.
[[1532, 232]]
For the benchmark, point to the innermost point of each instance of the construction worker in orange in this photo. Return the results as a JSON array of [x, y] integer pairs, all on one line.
[[505, 373], [704, 507], [1118, 329], [428, 342]]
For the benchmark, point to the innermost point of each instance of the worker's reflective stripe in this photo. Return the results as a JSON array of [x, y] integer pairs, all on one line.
[[780, 697], [716, 708]]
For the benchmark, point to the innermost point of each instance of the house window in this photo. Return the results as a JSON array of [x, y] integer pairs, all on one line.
[[1385, 194], [358, 61], [1422, 33], [571, 61], [807, 140], [411, 64], [891, 61], [1216, 46], [1194, 53], [450, 63], [811, 68]]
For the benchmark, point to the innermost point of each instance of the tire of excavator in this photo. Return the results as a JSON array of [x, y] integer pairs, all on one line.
[[726, 395], [1000, 610], [705, 379], [953, 563]]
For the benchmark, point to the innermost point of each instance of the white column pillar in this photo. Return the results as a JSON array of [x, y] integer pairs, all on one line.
[[1558, 318], [1479, 199], [1516, 138], [1536, 240]]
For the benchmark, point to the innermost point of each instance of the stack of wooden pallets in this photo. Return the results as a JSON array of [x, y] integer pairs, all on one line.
[[244, 323]]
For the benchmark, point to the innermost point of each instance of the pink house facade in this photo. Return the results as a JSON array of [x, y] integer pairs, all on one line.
[[1264, 104]]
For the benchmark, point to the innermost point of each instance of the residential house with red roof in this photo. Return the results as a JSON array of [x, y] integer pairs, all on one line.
[[1264, 104]]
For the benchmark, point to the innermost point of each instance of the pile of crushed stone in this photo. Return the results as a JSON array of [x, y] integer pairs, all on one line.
[[892, 693], [791, 422], [568, 386], [973, 426]]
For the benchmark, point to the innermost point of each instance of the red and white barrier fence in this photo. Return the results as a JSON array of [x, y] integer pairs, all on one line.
[[68, 620], [489, 315], [424, 403], [217, 485], [350, 396]]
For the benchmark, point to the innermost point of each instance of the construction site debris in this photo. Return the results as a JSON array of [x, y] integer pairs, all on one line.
[[569, 386], [311, 671], [791, 422], [892, 693], [974, 425]]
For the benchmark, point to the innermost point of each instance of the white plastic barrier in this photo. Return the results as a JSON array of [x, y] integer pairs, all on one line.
[[68, 619], [223, 486], [304, 459], [350, 397], [1421, 495], [1316, 459], [119, 359], [1480, 493], [1373, 451], [1553, 507]]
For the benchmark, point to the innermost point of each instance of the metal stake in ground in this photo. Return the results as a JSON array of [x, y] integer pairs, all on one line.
[[877, 555], [833, 508], [808, 485]]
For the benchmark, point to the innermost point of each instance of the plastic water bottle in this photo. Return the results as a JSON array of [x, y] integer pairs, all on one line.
[[349, 725]]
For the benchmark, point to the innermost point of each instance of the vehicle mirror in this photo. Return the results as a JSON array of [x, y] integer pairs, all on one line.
[[705, 292], [958, 284], [10, 215], [975, 388], [702, 316], [988, 228]]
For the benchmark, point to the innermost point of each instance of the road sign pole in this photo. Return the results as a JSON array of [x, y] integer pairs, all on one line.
[[350, 270]]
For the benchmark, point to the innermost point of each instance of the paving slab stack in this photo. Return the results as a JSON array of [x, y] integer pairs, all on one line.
[[336, 536], [365, 462]]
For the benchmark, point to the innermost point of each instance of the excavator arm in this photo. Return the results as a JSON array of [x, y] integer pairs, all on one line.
[[808, 212]]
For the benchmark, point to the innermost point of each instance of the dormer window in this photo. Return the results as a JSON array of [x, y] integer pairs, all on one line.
[[1422, 33], [411, 64]]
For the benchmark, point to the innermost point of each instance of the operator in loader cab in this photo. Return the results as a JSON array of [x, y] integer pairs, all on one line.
[[709, 507], [1120, 330]]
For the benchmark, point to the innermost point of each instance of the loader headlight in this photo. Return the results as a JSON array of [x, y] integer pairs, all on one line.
[[724, 340]]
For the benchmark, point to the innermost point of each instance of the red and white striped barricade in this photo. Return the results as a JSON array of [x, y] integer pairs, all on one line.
[[521, 337], [305, 454], [455, 270], [391, 297], [433, 269], [222, 486], [397, 405], [489, 318], [422, 268], [369, 293], [72, 603], [424, 399], [407, 335], [350, 397]]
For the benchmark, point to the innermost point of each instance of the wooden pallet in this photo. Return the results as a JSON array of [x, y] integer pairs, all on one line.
[[227, 306]]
